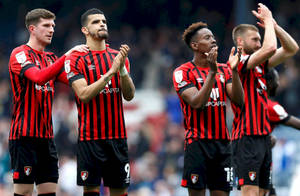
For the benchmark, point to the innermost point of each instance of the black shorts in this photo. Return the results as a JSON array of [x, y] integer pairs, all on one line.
[[103, 159], [252, 160], [207, 164], [33, 160]]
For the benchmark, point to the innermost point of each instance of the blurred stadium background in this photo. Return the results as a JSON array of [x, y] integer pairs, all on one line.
[[155, 134]]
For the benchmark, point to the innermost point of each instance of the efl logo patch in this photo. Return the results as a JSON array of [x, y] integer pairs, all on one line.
[[194, 178], [84, 175], [21, 57], [27, 170], [178, 76], [252, 175], [67, 66]]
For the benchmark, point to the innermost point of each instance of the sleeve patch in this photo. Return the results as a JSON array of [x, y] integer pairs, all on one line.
[[178, 76], [21, 58], [67, 66]]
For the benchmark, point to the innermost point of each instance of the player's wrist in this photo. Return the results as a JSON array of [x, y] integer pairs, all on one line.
[[123, 71]]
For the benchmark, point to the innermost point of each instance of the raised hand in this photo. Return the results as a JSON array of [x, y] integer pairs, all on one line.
[[211, 57], [234, 60], [263, 13], [119, 60], [78, 48]]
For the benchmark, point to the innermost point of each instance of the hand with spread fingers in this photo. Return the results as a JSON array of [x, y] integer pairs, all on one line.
[[234, 59], [262, 14]]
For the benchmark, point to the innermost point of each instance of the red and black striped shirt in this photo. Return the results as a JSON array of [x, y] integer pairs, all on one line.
[[32, 110], [253, 117], [208, 122], [102, 117]]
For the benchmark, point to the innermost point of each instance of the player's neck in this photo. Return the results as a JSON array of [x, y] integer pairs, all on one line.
[[96, 45], [200, 60], [36, 45]]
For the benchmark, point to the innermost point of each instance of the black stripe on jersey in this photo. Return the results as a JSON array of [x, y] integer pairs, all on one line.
[[112, 95], [29, 85], [91, 102], [198, 113], [85, 67], [105, 101], [118, 98], [249, 105], [223, 109], [262, 115], [98, 104]]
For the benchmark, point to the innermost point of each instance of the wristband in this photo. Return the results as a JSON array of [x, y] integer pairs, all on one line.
[[123, 71]]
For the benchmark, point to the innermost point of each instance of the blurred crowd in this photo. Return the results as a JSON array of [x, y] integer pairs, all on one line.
[[156, 142]]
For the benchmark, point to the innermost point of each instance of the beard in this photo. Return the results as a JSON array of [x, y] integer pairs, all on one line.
[[99, 34], [249, 50]]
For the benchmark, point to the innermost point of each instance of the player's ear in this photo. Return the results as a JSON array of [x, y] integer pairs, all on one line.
[[194, 45], [84, 30], [239, 41], [31, 28]]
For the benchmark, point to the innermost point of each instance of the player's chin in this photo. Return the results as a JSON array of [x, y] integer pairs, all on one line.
[[103, 35]]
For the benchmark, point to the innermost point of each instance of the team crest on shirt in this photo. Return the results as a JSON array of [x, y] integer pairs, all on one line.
[[194, 178], [252, 175], [221, 77], [21, 57], [67, 66], [27, 170], [84, 175]]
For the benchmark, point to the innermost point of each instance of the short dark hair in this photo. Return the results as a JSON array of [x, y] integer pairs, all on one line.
[[189, 32], [240, 30], [34, 16], [85, 15]]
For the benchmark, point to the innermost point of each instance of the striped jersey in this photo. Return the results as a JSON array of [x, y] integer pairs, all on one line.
[[208, 122], [102, 117], [32, 103], [253, 117], [277, 113]]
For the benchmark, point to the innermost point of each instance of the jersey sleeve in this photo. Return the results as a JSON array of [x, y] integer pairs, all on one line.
[[73, 64], [127, 65], [228, 73], [277, 113], [182, 80], [20, 61]]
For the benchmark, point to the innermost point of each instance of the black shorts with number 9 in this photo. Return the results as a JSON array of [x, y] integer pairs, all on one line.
[[103, 159]]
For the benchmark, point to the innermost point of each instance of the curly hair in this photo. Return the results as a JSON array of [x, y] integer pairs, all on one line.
[[189, 32]]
